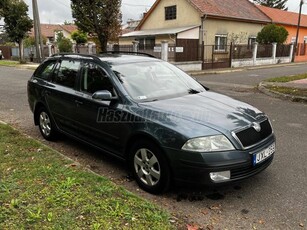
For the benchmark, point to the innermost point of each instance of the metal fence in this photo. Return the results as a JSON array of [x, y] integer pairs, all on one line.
[[242, 51], [217, 57], [264, 51], [283, 50]]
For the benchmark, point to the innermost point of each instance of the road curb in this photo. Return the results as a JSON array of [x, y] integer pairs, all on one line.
[[262, 88]]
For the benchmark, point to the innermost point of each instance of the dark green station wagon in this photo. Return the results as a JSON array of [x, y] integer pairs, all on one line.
[[167, 126]]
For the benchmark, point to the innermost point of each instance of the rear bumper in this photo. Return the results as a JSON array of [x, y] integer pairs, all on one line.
[[195, 168]]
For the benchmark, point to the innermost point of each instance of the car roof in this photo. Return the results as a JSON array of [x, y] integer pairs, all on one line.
[[117, 59], [113, 58]]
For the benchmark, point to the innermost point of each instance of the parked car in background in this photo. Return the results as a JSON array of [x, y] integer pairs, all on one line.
[[167, 126]]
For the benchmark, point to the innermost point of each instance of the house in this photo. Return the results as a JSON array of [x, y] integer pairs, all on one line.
[[130, 26], [212, 22], [290, 21], [50, 31]]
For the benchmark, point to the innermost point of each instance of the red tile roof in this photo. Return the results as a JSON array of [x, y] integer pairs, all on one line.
[[283, 17], [237, 9], [230, 9], [49, 29]]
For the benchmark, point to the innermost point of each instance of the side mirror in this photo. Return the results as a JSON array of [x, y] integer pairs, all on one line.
[[103, 95]]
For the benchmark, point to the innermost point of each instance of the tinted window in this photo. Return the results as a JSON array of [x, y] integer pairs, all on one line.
[[94, 78], [45, 71], [67, 73]]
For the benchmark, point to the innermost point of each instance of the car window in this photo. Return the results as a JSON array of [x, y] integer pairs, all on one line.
[[45, 70], [94, 78], [155, 80], [67, 73]]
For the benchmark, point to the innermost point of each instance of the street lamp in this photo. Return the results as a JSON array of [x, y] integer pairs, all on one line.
[[298, 30]]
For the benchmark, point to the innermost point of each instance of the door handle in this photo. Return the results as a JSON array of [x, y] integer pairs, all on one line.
[[46, 93], [78, 102]]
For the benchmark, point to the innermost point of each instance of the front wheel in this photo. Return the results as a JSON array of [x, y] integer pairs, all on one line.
[[150, 167], [45, 124]]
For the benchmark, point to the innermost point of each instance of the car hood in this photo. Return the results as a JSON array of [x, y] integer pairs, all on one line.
[[209, 109]]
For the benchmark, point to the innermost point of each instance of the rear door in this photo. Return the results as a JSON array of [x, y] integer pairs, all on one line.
[[60, 94]]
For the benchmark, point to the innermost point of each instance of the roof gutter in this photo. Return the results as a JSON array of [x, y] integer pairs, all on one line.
[[202, 28]]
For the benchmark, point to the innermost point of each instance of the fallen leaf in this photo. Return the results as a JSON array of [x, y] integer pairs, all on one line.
[[192, 227], [172, 221], [301, 225], [205, 212], [261, 221], [216, 207]]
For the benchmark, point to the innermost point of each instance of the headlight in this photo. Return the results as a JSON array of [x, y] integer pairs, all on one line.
[[208, 144]]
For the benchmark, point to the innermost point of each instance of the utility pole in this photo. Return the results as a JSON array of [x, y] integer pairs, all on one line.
[[297, 30], [37, 30]]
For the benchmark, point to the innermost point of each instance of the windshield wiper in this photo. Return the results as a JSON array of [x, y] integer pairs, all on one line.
[[193, 91]]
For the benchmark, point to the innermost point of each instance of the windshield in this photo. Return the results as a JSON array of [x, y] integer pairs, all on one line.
[[150, 81]]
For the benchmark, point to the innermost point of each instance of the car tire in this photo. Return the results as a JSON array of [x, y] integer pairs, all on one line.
[[46, 125], [149, 167]]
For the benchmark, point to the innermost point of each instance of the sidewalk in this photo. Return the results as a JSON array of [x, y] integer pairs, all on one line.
[[232, 70], [277, 89], [268, 87]]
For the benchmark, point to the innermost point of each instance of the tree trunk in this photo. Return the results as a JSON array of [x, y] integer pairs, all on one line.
[[103, 43], [21, 52]]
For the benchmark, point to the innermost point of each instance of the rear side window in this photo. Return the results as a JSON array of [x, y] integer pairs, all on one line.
[[67, 73], [45, 70]]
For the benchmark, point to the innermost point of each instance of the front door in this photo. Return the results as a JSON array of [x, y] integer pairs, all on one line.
[[97, 119]]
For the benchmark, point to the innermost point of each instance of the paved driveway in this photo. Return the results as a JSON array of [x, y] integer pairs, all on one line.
[[274, 199]]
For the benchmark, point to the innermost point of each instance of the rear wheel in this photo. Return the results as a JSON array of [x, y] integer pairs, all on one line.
[[150, 167], [46, 125]]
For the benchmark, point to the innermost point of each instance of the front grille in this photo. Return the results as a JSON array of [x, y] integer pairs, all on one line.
[[250, 170], [250, 136]]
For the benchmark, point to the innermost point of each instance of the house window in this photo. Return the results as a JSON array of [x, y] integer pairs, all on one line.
[[305, 39], [170, 12], [220, 42], [147, 43]]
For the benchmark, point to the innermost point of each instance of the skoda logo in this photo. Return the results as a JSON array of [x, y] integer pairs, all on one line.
[[256, 126]]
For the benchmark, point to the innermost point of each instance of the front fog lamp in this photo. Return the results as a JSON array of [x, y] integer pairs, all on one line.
[[220, 176]]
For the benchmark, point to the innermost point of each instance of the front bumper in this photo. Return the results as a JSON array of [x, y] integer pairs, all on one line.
[[195, 168]]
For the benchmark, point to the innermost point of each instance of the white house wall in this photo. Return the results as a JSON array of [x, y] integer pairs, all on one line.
[[190, 34]]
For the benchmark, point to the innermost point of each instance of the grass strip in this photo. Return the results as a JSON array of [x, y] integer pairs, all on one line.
[[287, 78], [9, 63], [40, 189], [289, 91]]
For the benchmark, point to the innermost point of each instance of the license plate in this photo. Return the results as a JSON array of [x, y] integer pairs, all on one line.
[[264, 154]]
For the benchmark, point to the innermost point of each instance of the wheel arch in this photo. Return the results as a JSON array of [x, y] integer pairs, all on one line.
[[37, 107], [145, 136]]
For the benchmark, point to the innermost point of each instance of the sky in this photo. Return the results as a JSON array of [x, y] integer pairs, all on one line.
[[58, 11]]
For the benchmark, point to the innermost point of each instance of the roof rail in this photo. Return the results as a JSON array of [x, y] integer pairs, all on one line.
[[128, 52], [76, 54]]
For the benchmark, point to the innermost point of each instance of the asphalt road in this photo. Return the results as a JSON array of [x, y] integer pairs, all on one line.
[[274, 199]]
